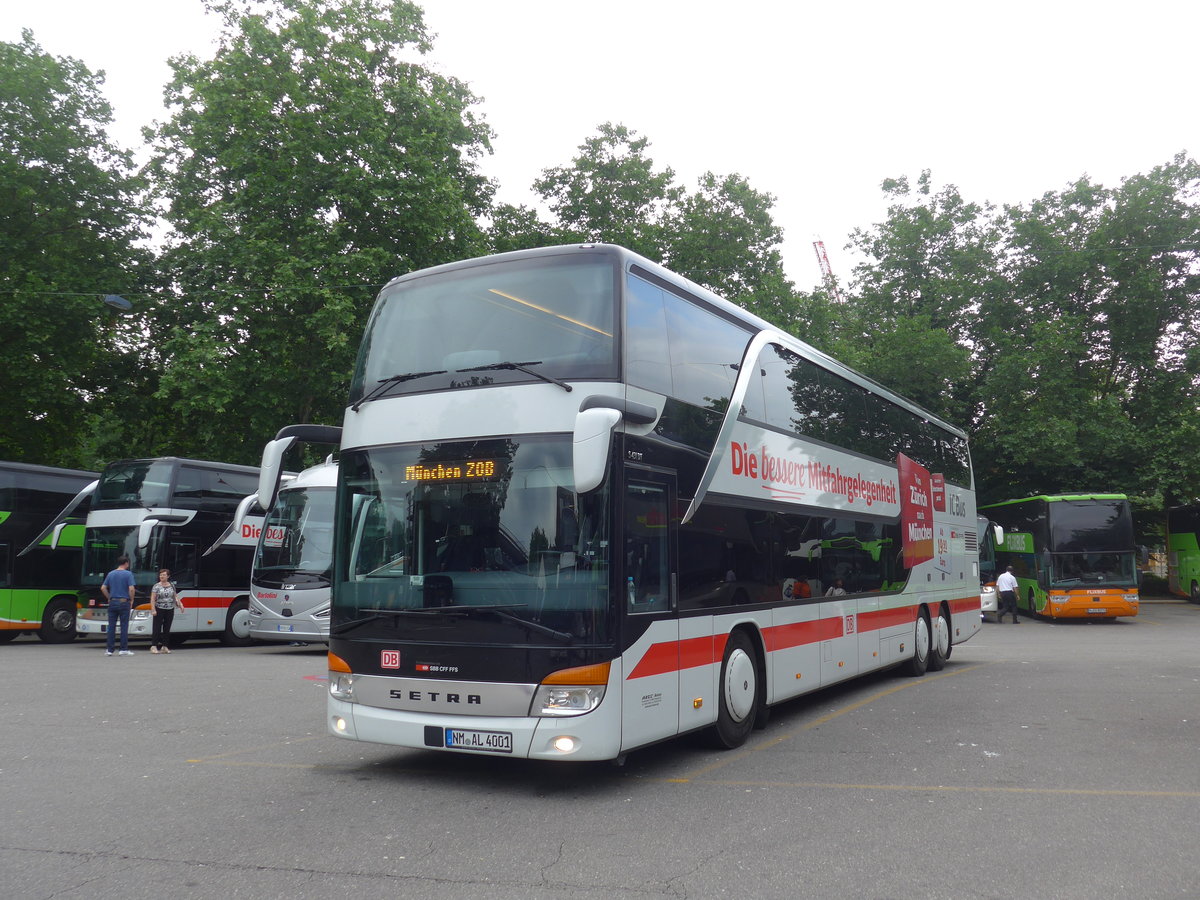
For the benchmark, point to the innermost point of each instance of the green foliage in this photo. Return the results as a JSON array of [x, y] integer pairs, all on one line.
[[722, 236], [1068, 330], [304, 166], [70, 219]]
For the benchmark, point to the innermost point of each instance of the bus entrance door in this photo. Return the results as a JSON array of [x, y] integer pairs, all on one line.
[[651, 687]]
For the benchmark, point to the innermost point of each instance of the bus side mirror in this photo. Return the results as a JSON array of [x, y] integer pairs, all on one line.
[[270, 470], [591, 445], [144, 531], [998, 536]]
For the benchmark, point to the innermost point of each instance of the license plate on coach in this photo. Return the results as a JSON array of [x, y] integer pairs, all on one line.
[[285, 627], [1096, 611], [463, 739]]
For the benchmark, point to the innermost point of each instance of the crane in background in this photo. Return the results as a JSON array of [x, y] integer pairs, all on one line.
[[826, 271]]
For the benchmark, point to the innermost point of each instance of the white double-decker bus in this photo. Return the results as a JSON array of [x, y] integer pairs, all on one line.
[[289, 585], [585, 505]]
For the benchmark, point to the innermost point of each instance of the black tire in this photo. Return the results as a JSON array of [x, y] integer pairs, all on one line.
[[737, 693], [176, 640], [922, 642], [8, 634], [1195, 598], [939, 645], [58, 621], [1032, 605], [237, 625]]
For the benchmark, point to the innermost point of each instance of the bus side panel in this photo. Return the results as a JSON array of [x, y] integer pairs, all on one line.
[[839, 651], [649, 691], [700, 653], [793, 652]]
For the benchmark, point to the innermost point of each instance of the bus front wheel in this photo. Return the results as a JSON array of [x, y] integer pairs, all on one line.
[[237, 625], [58, 621], [919, 661], [737, 693], [1195, 598], [8, 634]]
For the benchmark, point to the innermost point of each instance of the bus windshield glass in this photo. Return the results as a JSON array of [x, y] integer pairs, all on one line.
[[297, 539], [1092, 543], [137, 483], [500, 323], [488, 536], [102, 547]]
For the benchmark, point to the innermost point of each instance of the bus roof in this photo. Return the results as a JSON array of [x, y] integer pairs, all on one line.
[[1055, 498], [633, 261], [182, 460]]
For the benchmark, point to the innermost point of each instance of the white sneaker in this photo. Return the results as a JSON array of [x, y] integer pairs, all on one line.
[[108, 653], [125, 653]]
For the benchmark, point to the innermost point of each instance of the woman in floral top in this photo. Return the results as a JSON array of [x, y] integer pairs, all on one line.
[[163, 603]]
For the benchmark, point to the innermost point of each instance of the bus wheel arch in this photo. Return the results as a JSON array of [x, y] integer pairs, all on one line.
[[941, 646], [237, 624], [739, 691], [58, 620], [918, 663]]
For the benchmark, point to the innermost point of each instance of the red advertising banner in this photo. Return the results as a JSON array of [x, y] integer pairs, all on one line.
[[916, 510]]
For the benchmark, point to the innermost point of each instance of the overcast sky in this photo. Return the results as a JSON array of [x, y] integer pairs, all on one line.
[[815, 103]]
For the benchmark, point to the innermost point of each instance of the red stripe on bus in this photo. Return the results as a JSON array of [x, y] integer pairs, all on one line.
[[673, 656], [781, 637]]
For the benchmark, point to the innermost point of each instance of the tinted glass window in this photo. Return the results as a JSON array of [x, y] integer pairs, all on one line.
[[647, 363], [706, 352]]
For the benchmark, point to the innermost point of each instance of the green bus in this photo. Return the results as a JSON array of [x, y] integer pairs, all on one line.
[[1073, 554], [1183, 551], [39, 567]]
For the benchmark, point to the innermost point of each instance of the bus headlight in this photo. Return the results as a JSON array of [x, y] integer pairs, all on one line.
[[570, 692], [141, 613], [341, 686], [1130, 598]]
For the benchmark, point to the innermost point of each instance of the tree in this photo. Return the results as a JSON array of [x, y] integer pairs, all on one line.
[[611, 192], [304, 166], [722, 236], [70, 221], [930, 265]]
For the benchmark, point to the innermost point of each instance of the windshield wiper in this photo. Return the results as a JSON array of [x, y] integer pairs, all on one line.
[[384, 383], [521, 367]]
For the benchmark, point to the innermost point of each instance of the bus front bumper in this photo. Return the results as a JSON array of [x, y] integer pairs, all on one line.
[[267, 627], [95, 621], [593, 736]]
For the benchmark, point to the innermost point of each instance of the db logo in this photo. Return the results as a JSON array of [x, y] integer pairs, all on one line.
[[389, 659], [849, 624]]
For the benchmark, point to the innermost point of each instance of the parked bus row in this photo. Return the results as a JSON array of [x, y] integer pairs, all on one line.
[[614, 509]]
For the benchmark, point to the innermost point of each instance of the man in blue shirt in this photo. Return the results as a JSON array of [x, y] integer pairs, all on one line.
[[118, 590]]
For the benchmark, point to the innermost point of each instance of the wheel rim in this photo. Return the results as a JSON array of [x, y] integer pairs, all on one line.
[[922, 638], [62, 621], [740, 685], [943, 635], [240, 623]]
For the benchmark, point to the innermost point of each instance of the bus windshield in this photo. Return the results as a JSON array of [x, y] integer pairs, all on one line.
[[508, 321], [137, 483], [490, 532], [1092, 543], [297, 541]]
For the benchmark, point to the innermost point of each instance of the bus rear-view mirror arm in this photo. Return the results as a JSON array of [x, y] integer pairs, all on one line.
[[592, 440], [148, 525], [271, 468]]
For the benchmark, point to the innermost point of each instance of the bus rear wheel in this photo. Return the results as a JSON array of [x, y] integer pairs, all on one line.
[[919, 661], [58, 621], [737, 693], [237, 625], [940, 647]]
